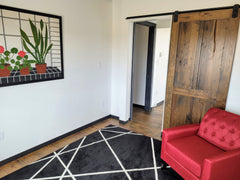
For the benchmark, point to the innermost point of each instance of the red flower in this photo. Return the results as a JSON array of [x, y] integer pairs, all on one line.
[[21, 54], [1, 49]]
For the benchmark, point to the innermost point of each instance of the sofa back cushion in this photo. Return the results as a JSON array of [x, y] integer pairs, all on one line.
[[221, 128]]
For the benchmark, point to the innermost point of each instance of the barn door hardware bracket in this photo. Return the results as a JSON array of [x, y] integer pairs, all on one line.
[[235, 11], [175, 16]]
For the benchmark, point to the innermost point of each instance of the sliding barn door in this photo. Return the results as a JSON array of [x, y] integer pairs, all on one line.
[[201, 57]]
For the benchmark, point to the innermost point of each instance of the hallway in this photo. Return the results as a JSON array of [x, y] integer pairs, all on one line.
[[147, 123]]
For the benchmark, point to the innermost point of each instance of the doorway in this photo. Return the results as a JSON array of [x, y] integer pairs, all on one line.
[[143, 49], [151, 41]]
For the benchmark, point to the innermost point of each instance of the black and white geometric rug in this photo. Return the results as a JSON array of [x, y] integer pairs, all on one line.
[[111, 153]]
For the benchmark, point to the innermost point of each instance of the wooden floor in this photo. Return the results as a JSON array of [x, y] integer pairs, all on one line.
[[147, 123]]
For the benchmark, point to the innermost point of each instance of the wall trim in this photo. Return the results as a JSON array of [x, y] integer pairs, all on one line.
[[114, 117], [124, 122], [160, 103], [5, 161], [120, 121], [138, 106]]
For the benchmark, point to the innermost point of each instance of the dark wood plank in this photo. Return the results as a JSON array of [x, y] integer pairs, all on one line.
[[195, 93], [206, 15], [187, 47], [209, 63], [228, 30], [189, 110], [181, 110]]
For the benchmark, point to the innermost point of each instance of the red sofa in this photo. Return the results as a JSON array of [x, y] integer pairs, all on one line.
[[207, 151]]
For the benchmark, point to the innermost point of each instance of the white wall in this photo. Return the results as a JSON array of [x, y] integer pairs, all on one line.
[[160, 64], [35, 113], [121, 54], [140, 64], [233, 99]]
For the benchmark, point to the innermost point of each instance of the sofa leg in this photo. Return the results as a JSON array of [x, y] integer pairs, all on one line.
[[163, 165]]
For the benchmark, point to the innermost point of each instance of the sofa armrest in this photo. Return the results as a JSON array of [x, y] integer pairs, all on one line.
[[223, 166], [176, 133], [179, 132]]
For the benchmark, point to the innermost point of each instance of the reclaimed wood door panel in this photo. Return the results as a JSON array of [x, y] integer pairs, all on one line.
[[189, 110], [188, 44], [200, 64]]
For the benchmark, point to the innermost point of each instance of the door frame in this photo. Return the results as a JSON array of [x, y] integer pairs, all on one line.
[[149, 68]]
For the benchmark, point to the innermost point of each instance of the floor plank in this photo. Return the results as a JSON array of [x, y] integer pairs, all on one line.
[[147, 123]]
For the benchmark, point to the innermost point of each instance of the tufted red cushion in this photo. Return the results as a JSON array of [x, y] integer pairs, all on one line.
[[221, 128]]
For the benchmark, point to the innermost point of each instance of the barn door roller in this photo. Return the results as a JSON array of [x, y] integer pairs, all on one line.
[[235, 10], [175, 16]]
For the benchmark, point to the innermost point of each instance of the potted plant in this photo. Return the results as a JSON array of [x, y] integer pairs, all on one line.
[[40, 45], [5, 57], [22, 63]]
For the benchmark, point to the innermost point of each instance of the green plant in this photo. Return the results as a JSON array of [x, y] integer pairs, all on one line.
[[6, 57], [40, 44], [22, 61]]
